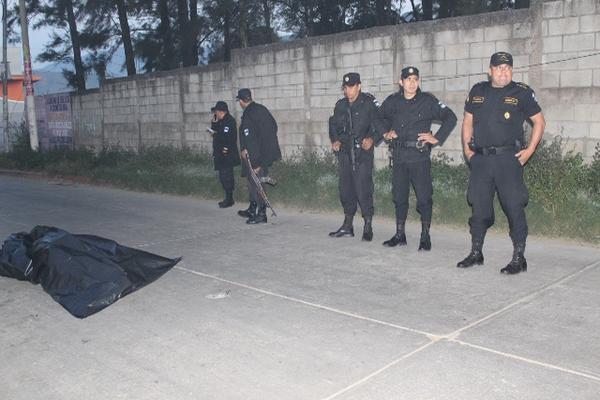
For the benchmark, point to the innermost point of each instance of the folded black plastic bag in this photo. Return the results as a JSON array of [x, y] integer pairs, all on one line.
[[83, 273]]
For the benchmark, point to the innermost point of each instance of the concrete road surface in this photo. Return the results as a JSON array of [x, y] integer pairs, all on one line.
[[282, 311]]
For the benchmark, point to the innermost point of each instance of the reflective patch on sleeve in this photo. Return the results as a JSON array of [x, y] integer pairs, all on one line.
[[246, 131], [442, 105], [226, 129], [376, 103]]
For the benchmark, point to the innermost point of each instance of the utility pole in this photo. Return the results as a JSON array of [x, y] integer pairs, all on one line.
[[29, 99], [4, 145]]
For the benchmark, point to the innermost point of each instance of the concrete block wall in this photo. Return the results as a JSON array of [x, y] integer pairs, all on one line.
[[554, 44]]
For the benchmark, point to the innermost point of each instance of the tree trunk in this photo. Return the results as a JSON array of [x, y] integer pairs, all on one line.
[[126, 37], [79, 71], [427, 10], [267, 17], [382, 11], [184, 33], [243, 23], [194, 31], [167, 54], [227, 36]]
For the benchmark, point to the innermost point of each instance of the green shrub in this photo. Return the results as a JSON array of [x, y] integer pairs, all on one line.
[[564, 191]]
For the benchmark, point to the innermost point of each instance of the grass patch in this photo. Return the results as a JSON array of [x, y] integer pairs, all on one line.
[[564, 191]]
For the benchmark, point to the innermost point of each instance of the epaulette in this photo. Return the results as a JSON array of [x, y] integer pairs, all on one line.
[[523, 85], [430, 95], [372, 98]]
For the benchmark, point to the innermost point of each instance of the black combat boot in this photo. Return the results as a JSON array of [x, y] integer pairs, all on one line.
[[425, 241], [228, 202], [260, 217], [399, 238], [249, 212], [368, 229], [346, 229], [518, 262], [475, 257]]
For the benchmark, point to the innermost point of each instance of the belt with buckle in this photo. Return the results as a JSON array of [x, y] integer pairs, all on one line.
[[493, 150]]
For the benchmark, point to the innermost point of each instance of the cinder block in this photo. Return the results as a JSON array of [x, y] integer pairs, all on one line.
[[469, 66], [445, 37], [432, 53], [552, 9], [563, 26], [552, 44], [586, 112], [594, 130], [559, 61], [457, 84], [417, 40], [583, 41], [497, 32], [579, 7], [550, 79], [351, 60], [521, 30], [589, 60], [576, 78], [457, 51], [444, 68], [370, 58], [470, 35], [589, 23], [483, 49]]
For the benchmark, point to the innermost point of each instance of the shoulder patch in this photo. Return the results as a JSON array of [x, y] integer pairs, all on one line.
[[523, 85]]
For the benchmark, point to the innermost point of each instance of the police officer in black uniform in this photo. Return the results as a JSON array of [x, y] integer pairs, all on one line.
[[354, 128], [259, 144], [225, 151], [493, 143], [409, 113]]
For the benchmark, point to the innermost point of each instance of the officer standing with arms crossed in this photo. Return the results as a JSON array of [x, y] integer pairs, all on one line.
[[225, 151], [354, 129], [409, 113], [493, 144], [259, 144]]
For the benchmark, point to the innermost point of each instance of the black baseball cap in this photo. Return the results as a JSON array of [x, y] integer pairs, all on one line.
[[351, 79], [244, 94], [500, 58], [220, 106], [408, 71]]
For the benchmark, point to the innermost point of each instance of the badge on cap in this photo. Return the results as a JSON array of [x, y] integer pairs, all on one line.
[[347, 79], [410, 70], [506, 115]]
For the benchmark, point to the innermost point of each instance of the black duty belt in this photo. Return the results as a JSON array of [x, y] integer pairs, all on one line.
[[493, 150], [409, 144]]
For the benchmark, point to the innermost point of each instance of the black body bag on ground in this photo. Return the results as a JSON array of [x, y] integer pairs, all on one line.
[[83, 273]]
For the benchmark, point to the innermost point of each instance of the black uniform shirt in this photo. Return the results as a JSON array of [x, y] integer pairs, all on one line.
[[358, 120], [409, 117], [258, 135], [225, 136], [499, 113]]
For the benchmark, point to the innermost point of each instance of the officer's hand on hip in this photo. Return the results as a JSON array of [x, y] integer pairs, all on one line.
[[256, 170], [469, 154], [390, 135], [524, 155], [225, 150], [336, 146], [367, 143], [427, 137], [244, 154]]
